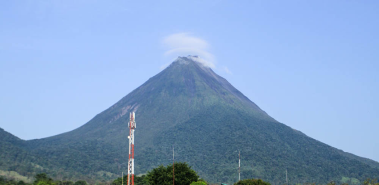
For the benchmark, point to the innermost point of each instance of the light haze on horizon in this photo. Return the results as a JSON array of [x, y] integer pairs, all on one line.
[[312, 65]]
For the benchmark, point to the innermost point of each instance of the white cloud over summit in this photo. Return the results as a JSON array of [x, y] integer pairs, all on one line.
[[184, 44]]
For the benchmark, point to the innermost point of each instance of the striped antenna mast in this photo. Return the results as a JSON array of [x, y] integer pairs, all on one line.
[[132, 126]]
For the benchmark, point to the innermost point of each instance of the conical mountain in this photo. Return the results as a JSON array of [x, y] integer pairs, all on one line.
[[208, 121], [182, 90]]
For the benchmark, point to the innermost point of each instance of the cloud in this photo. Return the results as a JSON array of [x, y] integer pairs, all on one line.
[[226, 70], [179, 40], [184, 44]]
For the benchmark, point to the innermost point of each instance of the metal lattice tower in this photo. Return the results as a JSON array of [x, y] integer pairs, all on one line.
[[132, 126]]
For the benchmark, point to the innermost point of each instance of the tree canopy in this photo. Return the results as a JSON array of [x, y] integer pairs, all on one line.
[[252, 182], [42, 179], [184, 175]]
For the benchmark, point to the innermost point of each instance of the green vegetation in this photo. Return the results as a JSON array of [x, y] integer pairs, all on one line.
[[161, 175], [184, 175], [39, 179], [252, 182], [371, 182], [205, 118], [43, 179], [199, 183], [158, 175]]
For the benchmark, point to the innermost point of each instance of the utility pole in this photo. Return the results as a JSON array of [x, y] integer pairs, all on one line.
[[173, 165], [286, 178], [122, 178], [239, 165], [132, 126]]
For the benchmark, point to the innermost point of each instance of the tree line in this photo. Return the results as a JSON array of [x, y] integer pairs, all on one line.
[[162, 175]]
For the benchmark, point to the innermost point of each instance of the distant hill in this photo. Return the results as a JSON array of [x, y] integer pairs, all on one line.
[[208, 121], [15, 157]]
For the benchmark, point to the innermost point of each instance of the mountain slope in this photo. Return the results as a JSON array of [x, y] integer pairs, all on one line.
[[267, 150], [207, 120]]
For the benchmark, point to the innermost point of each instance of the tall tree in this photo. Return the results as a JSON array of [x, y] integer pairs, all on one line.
[[184, 175]]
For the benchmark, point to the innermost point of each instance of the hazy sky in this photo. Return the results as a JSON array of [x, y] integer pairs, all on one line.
[[312, 65]]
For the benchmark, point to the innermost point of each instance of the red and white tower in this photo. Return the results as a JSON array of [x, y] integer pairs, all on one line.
[[132, 126]]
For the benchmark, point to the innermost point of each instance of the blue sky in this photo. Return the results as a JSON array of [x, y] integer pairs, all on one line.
[[312, 65]]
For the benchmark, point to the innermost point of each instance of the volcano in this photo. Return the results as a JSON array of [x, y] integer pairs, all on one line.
[[208, 121]]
